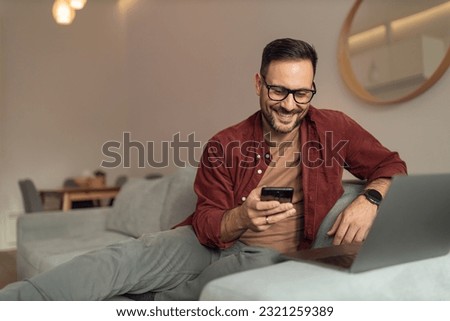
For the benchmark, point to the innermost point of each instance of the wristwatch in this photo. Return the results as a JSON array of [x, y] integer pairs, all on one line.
[[373, 196]]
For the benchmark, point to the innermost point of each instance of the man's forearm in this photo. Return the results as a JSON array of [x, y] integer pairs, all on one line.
[[380, 184], [232, 226]]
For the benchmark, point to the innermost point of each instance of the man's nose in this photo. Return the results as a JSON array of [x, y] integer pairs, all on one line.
[[289, 103]]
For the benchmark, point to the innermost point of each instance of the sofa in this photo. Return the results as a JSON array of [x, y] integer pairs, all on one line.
[[47, 239]]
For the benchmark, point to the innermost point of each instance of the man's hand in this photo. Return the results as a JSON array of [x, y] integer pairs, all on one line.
[[355, 221], [255, 215], [260, 215]]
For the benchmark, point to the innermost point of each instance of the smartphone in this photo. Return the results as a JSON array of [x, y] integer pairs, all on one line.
[[280, 194]]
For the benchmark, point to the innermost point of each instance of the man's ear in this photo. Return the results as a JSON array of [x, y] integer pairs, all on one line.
[[258, 84]]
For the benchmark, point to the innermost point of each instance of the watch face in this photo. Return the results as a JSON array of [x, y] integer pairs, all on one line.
[[375, 195]]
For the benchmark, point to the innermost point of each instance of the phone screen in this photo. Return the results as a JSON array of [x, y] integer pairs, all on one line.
[[280, 194]]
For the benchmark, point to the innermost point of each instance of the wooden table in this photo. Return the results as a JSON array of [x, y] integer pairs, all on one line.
[[71, 194]]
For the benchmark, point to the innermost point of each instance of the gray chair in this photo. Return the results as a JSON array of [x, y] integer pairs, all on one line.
[[31, 199]]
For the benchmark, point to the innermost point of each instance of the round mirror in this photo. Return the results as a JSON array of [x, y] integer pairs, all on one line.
[[392, 51]]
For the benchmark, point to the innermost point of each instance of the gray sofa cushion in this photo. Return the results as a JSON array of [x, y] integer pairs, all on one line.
[[146, 206], [47, 239], [137, 208], [43, 255], [180, 200]]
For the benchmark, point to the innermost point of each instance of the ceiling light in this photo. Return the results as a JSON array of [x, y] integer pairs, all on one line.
[[77, 4], [63, 12]]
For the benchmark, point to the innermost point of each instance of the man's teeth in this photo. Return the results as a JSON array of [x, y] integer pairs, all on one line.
[[284, 114]]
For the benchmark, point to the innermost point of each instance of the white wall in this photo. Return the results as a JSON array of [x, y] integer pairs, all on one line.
[[155, 68], [63, 94], [191, 67]]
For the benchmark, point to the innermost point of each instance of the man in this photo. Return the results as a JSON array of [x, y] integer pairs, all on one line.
[[287, 143]]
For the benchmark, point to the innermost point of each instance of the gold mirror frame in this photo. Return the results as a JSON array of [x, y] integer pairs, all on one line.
[[350, 79]]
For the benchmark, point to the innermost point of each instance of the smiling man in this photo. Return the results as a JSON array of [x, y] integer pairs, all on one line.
[[287, 143], [309, 136]]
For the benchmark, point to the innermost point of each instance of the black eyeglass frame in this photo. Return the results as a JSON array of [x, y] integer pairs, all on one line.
[[290, 91]]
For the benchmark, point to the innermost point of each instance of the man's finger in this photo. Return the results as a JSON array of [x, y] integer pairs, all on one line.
[[350, 234], [340, 234], [266, 205], [335, 226]]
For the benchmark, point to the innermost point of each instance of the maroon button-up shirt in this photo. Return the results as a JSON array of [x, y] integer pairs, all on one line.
[[235, 160]]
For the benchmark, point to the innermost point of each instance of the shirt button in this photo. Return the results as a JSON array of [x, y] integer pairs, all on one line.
[[258, 156], [267, 156], [259, 171], [243, 198]]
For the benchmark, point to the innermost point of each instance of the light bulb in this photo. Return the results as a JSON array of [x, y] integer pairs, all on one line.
[[63, 12], [77, 4]]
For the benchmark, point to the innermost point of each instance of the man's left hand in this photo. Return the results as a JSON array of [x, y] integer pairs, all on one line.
[[353, 223]]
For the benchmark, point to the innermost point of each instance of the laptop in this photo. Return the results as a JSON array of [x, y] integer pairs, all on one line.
[[413, 223]]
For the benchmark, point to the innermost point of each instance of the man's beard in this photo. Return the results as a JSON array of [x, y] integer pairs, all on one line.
[[270, 118]]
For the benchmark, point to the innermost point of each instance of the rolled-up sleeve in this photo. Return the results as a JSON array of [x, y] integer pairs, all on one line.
[[367, 158]]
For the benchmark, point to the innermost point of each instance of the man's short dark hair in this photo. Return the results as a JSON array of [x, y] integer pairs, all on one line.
[[287, 49]]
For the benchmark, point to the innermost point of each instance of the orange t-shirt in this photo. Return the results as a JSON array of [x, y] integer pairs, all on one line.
[[283, 171]]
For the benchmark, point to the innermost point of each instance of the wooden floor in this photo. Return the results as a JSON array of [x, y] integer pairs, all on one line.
[[7, 268]]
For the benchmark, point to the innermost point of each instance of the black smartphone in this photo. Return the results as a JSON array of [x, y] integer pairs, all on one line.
[[280, 194]]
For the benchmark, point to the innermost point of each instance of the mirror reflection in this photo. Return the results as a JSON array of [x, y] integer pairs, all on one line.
[[394, 47]]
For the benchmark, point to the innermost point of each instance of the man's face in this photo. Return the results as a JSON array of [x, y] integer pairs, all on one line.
[[284, 116]]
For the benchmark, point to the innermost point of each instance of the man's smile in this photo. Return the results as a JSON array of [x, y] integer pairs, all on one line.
[[284, 115]]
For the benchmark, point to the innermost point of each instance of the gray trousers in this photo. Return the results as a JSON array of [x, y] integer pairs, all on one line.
[[171, 263]]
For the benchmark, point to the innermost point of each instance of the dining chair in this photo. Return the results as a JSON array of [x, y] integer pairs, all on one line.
[[31, 199]]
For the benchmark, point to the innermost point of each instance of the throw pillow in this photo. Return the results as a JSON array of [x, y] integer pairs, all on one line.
[[138, 207], [180, 200]]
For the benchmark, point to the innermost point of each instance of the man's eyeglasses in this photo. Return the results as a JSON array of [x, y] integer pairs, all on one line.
[[279, 93]]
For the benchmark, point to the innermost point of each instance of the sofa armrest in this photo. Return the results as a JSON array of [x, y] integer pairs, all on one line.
[[305, 281], [47, 225]]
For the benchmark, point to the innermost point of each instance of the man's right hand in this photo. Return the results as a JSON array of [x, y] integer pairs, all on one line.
[[253, 214]]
